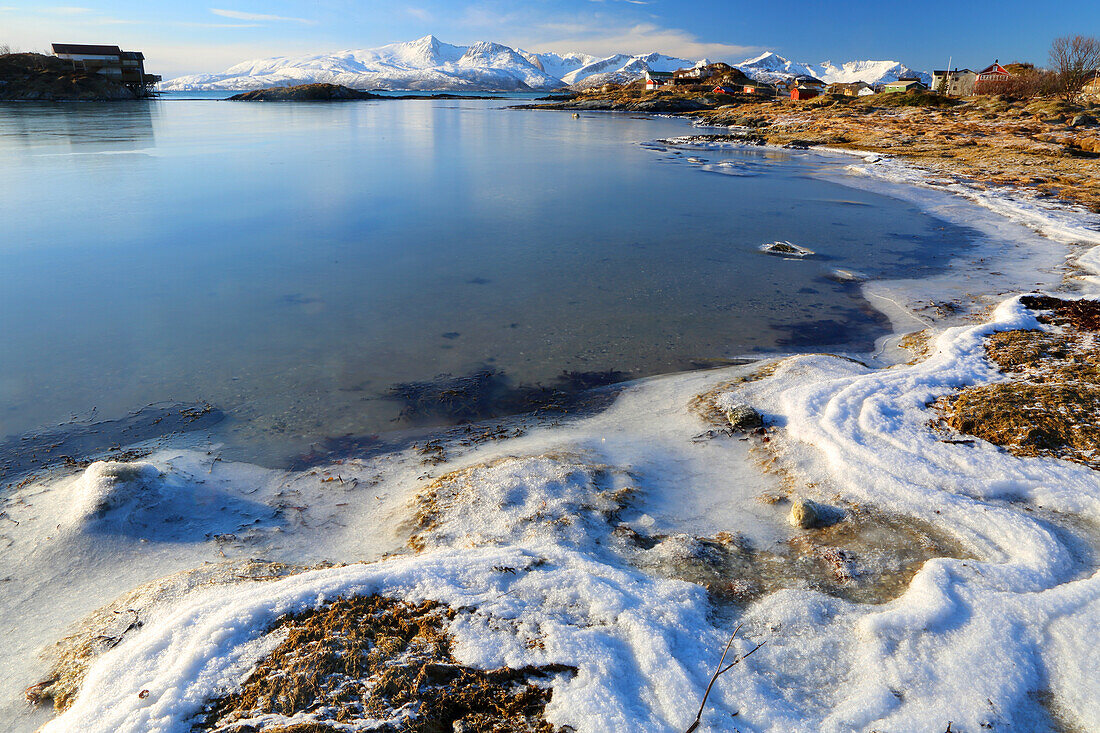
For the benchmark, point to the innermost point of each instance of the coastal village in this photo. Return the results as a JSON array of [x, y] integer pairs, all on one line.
[[724, 79]]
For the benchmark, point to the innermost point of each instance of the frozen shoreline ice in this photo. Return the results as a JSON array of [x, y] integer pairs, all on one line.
[[977, 642]]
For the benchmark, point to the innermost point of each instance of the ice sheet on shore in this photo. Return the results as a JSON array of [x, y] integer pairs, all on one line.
[[644, 645], [998, 642]]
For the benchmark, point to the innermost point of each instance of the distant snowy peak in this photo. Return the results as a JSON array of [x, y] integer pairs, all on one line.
[[623, 69], [770, 67]]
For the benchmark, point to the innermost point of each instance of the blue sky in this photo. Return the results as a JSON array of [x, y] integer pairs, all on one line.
[[182, 36]]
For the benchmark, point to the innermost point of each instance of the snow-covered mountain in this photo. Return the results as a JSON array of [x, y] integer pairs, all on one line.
[[770, 67], [428, 63], [583, 70]]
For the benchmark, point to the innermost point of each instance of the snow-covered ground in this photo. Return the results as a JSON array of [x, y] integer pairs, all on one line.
[[994, 637]]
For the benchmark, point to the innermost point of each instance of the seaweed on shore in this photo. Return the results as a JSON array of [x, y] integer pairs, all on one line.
[[383, 661]]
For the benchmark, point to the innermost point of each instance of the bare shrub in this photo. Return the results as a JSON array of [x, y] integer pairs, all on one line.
[[1075, 60]]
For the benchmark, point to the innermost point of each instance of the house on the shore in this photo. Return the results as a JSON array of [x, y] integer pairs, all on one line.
[[993, 79], [654, 80], [127, 67], [954, 82], [850, 89], [806, 87], [905, 85], [993, 73], [758, 88], [720, 89]]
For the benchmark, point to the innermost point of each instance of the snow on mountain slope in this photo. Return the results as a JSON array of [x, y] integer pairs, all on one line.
[[559, 65], [622, 69], [426, 63], [773, 67]]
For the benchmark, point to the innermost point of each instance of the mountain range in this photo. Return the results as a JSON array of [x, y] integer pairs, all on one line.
[[429, 64], [769, 67]]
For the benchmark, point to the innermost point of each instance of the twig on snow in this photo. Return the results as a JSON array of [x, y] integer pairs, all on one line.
[[718, 672]]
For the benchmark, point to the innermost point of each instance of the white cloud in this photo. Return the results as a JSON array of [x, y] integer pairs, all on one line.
[[65, 10], [418, 13], [238, 15], [634, 39]]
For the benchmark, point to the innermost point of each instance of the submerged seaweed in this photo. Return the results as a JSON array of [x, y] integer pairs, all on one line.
[[76, 443], [489, 393]]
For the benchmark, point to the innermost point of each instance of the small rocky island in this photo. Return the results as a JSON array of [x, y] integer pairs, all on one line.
[[332, 93], [304, 93]]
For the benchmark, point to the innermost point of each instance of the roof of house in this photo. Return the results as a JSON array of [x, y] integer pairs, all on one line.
[[945, 72], [133, 55], [81, 48], [995, 68], [659, 74], [807, 80], [904, 82]]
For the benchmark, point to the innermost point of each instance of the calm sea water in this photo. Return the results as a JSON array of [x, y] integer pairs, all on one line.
[[291, 263]]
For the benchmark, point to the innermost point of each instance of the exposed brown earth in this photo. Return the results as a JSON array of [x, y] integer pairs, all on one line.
[[1028, 143]]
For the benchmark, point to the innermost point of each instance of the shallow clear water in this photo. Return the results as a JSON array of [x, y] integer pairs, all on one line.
[[290, 263]]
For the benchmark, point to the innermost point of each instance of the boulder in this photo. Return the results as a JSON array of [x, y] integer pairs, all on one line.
[[743, 417], [805, 514], [1082, 120]]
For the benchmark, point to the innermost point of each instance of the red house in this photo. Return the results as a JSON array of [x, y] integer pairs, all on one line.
[[723, 90], [798, 93], [996, 72]]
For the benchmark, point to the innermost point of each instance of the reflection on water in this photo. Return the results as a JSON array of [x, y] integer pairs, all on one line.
[[84, 127], [294, 264]]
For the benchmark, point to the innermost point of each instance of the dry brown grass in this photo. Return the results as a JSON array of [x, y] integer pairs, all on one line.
[[376, 658], [1050, 406], [918, 343]]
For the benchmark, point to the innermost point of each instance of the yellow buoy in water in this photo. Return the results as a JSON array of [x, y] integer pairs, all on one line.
[[576, 116]]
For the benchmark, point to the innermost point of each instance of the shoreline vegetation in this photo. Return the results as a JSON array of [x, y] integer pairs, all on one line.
[[928, 534]]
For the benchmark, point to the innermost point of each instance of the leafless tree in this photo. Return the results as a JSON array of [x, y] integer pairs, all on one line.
[[1075, 59]]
